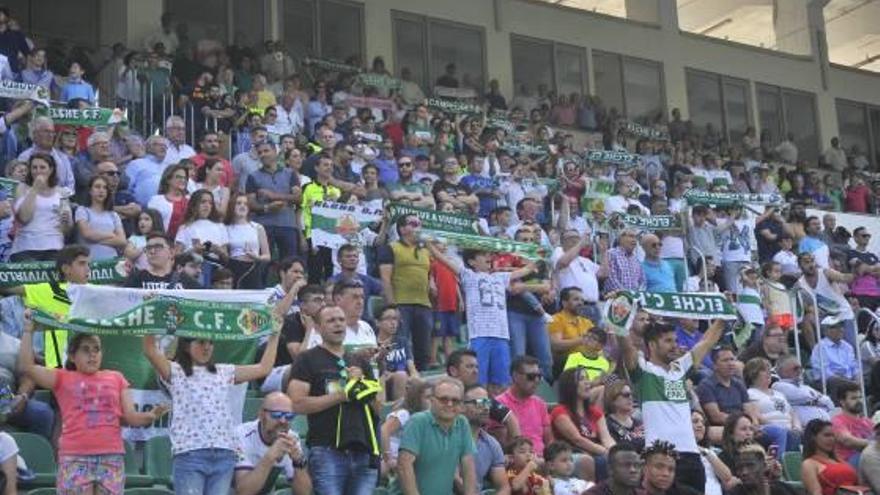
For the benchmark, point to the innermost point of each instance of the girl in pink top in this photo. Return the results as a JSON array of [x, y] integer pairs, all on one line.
[[94, 404]]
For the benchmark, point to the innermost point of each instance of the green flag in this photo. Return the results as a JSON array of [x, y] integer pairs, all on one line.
[[335, 224], [654, 222], [102, 272], [24, 91], [644, 131], [379, 81], [596, 192], [697, 197], [436, 220], [526, 250], [620, 158], [9, 186], [619, 311], [452, 106]]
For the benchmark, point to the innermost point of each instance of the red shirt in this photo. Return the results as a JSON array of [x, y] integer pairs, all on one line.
[[91, 408], [178, 209], [228, 172], [856, 199], [447, 287], [588, 424], [858, 426]]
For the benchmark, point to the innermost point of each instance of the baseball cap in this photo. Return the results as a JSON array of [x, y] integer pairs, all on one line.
[[832, 321]]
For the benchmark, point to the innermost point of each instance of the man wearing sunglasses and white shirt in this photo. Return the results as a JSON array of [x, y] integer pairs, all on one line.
[[268, 443]]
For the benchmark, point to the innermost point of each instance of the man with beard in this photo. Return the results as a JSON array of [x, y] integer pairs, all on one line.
[[209, 147], [489, 459], [661, 387], [823, 283], [267, 443], [851, 428]]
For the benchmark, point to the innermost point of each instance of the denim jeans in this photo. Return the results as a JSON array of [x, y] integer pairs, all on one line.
[[37, 417], [203, 471], [416, 328], [339, 472], [528, 334], [787, 440]]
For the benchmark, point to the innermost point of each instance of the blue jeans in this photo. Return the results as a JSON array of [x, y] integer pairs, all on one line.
[[528, 333], [340, 472], [787, 440], [37, 417], [416, 328], [284, 239], [203, 471]]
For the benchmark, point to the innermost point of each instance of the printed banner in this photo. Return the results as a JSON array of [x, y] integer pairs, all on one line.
[[24, 91], [9, 187], [654, 222], [102, 272], [621, 158], [452, 106], [501, 123], [620, 310], [526, 149], [596, 192], [379, 81], [368, 136], [87, 117], [368, 102], [645, 131], [436, 220], [336, 224], [526, 250], [697, 197], [447, 92], [330, 65]]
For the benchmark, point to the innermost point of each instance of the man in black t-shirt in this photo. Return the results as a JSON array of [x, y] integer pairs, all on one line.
[[343, 433], [160, 273], [450, 190]]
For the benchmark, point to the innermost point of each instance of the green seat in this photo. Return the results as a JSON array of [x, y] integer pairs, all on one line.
[[374, 304], [380, 491], [300, 425], [42, 491], [487, 492], [547, 392], [148, 491], [791, 466], [157, 459], [39, 456], [133, 476], [252, 407]]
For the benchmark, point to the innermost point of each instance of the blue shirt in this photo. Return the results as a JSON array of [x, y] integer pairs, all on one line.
[[387, 170], [659, 276], [809, 244], [144, 175], [688, 341], [396, 357], [78, 89], [484, 188], [730, 399], [840, 359]]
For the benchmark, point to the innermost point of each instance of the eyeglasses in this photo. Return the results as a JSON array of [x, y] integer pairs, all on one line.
[[478, 402], [154, 247], [404, 164], [278, 415], [449, 401]]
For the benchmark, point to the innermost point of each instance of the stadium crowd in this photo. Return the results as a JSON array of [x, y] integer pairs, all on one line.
[[411, 362]]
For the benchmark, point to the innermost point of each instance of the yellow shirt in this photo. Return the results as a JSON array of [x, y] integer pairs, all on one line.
[[410, 276], [311, 194], [50, 298], [595, 367], [570, 327]]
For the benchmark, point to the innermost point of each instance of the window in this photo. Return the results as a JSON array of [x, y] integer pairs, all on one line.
[[631, 85], [248, 23], [332, 29], [859, 125], [555, 66], [875, 134], [204, 19], [427, 46], [719, 100], [73, 22], [783, 111]]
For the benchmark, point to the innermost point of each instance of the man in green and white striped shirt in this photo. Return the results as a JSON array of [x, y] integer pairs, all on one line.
[[660, 384]]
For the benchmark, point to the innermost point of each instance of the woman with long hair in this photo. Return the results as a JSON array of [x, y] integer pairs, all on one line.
[[718, 475], [580, 423], [821, 472], [98, 226], [619, 408], [172, 198], [738, 429], [149, 220], [42, 212], [417, 398], [210, 178], [94, 404], [203, 442], [248, 244]]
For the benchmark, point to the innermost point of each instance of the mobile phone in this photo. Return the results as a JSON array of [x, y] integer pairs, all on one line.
[[773, 451]]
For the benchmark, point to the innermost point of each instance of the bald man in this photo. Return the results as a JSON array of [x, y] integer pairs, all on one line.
[[268, 442], [659, 275]]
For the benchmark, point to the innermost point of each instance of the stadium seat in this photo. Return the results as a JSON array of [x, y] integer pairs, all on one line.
[[157, 459], [42, 491], [300, 425], [374, 304], [252, 407], [39, 456], [148, 491], [133, 476], [791, 466]]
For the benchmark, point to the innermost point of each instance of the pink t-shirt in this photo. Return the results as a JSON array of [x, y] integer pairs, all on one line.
[[859, 427], [532, 416], [91, 408]]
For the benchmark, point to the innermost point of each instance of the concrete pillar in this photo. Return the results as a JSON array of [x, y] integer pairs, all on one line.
[[143, 19], [662, 12], [798, 25]]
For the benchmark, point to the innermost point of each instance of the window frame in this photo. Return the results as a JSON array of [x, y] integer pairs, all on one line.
[[622, 61], [780, 93], [721, 80], [866, 109], [317, 28], [554, 61]]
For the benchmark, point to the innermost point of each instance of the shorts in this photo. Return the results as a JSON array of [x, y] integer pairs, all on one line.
[[448, 324], [493, 360], [75, 472]]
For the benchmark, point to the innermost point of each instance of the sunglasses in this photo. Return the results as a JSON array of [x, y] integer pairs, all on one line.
[[404, 164], [278, 415]]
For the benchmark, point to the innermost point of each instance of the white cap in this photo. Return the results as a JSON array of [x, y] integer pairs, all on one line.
[[832, 321]]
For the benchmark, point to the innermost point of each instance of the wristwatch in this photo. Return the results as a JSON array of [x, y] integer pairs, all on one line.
[[301, 463]]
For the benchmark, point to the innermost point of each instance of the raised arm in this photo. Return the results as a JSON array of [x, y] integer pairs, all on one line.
[[249, 372], [42, 376], [156, 358], [442, 257], [710, 338]]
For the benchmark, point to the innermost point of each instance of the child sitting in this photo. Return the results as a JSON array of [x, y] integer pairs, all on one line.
[[522, 471], [559, 463], [591, 358]]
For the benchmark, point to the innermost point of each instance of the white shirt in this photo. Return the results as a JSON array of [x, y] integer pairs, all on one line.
[[619, 204], [251, 449], [580, 273], [362, 334], [176, 153], [290, 122], [203, 231], [773, 407], [485, 298]]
